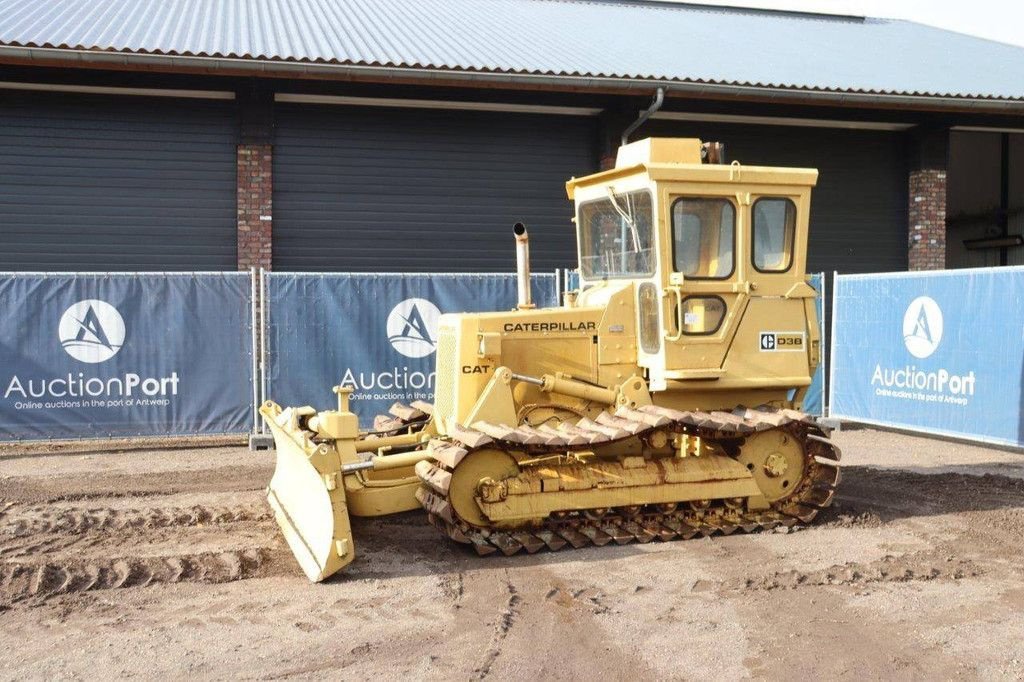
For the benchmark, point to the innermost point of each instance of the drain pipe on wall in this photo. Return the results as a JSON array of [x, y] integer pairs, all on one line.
[[659, 99]]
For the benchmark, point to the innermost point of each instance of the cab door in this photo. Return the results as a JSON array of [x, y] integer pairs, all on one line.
[[776, 343], [707, 293]]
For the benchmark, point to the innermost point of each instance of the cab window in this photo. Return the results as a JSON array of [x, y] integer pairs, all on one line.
[[702, 315], [774, 225], [617, 236], [703, 235]]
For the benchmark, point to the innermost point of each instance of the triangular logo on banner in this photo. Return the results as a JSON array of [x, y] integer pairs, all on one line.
[[91, 331], [921, 327], [415, 327]]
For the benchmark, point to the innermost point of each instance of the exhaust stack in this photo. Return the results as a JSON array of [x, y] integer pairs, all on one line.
[[523, 265]]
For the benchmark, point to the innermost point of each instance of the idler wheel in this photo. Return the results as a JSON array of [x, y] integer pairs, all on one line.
[[479, 467], [776, 460]]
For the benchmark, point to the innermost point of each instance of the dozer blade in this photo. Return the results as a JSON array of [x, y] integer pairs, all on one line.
[[310, 506]]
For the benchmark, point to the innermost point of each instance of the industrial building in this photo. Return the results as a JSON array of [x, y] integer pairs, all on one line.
[[389, 135]]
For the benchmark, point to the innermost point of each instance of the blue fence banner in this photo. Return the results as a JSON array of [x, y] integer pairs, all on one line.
[[814, 399], [374, 333], [100, 355], [572, 280], [941, 353]]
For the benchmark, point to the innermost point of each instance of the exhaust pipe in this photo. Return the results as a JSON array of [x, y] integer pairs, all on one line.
[[523, 265]]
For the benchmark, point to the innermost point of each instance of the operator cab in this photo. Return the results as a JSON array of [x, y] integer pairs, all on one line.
[[715, 255]]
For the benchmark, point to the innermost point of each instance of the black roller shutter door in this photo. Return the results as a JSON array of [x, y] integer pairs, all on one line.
[[859, 207], [116, 183], [414, 190]]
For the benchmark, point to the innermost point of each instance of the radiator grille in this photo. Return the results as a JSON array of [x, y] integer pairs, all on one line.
[[446, 376]]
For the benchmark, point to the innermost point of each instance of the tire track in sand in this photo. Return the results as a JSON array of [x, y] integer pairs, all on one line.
[[21, 582], [51, 550], [506, 619]]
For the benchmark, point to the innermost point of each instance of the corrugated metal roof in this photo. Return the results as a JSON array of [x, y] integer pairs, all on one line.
[[619, 40]]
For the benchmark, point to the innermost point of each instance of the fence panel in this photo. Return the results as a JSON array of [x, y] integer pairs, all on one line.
[[941, 353], [376, 333], [123, 354]]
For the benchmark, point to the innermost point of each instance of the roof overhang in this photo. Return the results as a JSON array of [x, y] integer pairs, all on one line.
[[269, 68]]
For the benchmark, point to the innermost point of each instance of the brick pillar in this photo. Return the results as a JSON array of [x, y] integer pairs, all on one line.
[[255, 215], [927, 218]]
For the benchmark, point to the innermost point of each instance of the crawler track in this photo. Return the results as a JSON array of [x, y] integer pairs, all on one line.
[[625, 525], [401, 417]]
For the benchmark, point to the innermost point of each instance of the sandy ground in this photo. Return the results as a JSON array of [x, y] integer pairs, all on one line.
[[166, 562]]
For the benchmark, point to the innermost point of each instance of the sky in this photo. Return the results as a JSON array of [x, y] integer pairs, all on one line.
[[1001, 20]]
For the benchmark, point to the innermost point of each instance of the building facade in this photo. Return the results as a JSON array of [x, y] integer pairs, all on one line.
[[411, 142]]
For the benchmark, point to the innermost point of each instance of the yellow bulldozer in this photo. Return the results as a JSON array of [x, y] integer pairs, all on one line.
[[660, 401]]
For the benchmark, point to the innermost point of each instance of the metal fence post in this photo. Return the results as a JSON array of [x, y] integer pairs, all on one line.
[[825, 359], [260, 439], [832, 345], [255, 387], [263, 342]]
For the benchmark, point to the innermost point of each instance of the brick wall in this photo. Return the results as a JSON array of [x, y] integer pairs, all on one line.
[[254, 205], [927, 219]]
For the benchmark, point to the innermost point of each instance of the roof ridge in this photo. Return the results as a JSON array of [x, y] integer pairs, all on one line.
[[632, 40], [710, 8]]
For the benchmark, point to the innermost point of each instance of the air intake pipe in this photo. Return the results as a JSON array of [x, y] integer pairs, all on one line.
[[523, 265]]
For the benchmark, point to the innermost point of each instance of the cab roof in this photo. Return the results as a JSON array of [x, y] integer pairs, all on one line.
[[679, 159]]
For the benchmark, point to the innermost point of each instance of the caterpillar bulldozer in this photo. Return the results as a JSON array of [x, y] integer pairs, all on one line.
[[661, 400]]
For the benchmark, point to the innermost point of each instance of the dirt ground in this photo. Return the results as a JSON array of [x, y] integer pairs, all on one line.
[[167, 563]]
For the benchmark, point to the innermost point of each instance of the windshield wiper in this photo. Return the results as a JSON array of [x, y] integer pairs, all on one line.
[[628, 217]]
